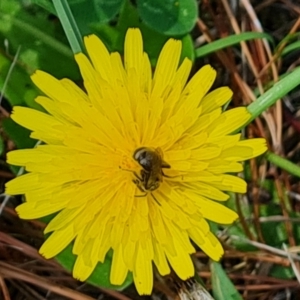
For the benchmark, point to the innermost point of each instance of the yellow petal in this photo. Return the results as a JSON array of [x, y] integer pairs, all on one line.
[[181, 262], [119, 270], [51, 86], [62, 219], [81, 270], [207, 242], [244, 150], [32, 210], [214, 211], [99, 56], [57, 242], [231, 183], [215, 99], [142, 273], [160, 259], [36, 120], [22, 184], [229, 121], [133, 50], [196, 88], [166, 67]]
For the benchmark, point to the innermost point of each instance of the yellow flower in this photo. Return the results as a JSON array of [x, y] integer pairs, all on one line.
[[136, 164]]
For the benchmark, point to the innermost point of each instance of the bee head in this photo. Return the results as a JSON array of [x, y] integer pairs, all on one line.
[[144, 156]]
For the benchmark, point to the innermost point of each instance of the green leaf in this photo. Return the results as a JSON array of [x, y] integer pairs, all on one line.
[[100, 276], [279, 89], [222, 287], [230, 41], [69, 24], [292, 47], [18, 134], [107, 10], [284, 43], [283, 163], [170, 17]]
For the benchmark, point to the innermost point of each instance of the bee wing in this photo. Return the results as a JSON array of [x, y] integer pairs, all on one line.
[[163, 164]]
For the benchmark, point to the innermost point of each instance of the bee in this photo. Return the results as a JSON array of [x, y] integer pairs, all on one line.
[[151, 176]]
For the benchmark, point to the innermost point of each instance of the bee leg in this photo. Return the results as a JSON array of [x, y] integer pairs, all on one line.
[[137, 182], [134, 173], [139, 179], [155, 199], [163, 174], [140, 196]]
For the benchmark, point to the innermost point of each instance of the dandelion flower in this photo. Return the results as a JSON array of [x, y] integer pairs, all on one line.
[[138, 163]]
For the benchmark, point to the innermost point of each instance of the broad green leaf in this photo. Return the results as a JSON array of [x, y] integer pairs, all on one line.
[[274, 233], [41, 40], [100, 276], [47, 5], [11, 7], [188, 47], [240, 244], [222, 287], [79, 18], [170, 17], [83, 12], [296, 227], [153, 40], [107, 10], [109, 36], [281, 272]]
